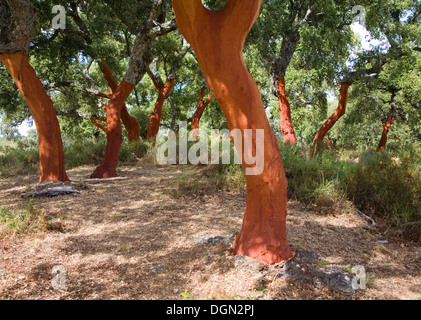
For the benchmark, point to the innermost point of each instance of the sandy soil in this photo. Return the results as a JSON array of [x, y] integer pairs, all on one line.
[[133, 240]]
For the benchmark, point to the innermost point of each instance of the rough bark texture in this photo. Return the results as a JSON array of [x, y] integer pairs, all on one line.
[[130, 123], [218, 41], [107, 169], [285, 113], [386, 126], [201, 106], [49, 136], [339, 112], [17, 25], [164, 91]]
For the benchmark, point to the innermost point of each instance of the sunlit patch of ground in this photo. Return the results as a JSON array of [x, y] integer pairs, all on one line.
[[132, 239]]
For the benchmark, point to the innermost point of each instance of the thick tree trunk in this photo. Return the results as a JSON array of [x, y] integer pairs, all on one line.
[[386, 126], [218, 41], [49, 136], [201, 106], [156, 116], [114, 133], [130, 123], [285, 113], [339, 112]]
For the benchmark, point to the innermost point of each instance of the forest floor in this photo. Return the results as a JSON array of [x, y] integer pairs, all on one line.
[[133, 239]]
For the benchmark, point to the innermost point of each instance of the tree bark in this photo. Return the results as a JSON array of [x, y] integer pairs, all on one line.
[[339, 112], [156, 116], [329, 142], [218, 41], [130, 123], [201, 106], [49, 136], [386, 127], [140, 58], [107, 169], [285, 113]]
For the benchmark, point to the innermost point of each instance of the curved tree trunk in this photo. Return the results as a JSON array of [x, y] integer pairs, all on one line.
[[156, 116], [107, 169], [199, 112], [51, 153], [140, 58], [218, 41], [285, 113], [386, 126], [339, 112], [130, 123]]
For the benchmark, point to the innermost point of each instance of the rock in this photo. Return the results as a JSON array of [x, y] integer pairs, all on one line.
[[228, 240], [302, 268], [244, 262], [51, 192], [155, 269]]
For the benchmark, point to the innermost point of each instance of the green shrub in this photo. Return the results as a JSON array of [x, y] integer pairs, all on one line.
[[387, 186]]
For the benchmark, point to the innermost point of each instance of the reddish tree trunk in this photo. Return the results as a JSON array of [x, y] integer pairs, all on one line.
[[339, 112], [329, 142], [156, 116], [285, 113], [218, 41], [199, 112], [130, 123], [114, 133], [386, 126], [49, 136]]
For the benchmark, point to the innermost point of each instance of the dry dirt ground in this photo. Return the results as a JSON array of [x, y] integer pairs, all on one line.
[[133, 240]]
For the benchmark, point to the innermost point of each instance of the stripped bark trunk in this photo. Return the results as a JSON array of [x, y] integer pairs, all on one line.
[[386, 127], [140, 58], [218, 41], [329, 142], [339, 112], [129, 122], [201, 106], [17, 26], [285, 113], [51, 153], [108, 167], [155, 117]]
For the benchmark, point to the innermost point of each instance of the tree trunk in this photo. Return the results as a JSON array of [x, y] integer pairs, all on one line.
[[329, 142], [51, 153], [199, 112], [386, 126], [130, 123], [339, 112], [285, 113], [218, 41], [156, 116], [114, 133]]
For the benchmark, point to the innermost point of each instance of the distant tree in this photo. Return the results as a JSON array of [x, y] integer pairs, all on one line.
[[17, 26]]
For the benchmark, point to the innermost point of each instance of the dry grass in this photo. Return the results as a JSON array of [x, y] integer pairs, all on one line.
[[132, 240]]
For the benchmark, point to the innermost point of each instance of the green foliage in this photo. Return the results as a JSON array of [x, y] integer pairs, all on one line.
[[389, 186], [19, 157]]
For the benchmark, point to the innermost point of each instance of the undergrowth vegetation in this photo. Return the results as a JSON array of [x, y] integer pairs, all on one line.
[[20, 221], [384, 185]]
